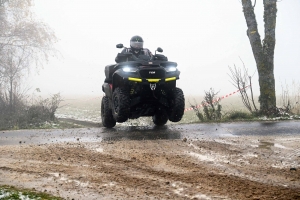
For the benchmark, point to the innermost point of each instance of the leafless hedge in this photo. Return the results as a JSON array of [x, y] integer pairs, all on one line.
[[21, 115]]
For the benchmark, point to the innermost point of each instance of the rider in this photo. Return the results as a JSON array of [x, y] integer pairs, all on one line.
[[136, 48]]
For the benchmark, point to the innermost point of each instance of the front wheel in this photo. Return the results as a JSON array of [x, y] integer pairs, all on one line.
[[177, 104], [106, 113], [120, 105]]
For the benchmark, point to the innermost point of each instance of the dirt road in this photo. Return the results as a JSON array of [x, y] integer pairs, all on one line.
[[219, 167]]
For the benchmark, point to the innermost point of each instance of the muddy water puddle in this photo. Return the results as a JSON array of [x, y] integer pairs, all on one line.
[[167, 132]]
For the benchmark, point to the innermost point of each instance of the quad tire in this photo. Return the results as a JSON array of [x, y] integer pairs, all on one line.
[[160, 118], [106, 113], [120, 105], [177, 104]]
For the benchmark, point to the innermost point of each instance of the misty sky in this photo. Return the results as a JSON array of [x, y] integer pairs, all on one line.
[[203, 36]]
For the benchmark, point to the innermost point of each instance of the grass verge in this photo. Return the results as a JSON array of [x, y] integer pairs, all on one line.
[[13, 193]]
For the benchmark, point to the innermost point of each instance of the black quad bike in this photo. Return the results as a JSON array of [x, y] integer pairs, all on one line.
[[138, 87]]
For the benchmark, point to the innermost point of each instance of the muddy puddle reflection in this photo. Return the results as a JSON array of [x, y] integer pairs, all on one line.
[[88, 135], [140, 133], [168, 132]]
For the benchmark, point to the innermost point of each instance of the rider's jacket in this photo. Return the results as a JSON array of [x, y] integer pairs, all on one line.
[[143, 51]]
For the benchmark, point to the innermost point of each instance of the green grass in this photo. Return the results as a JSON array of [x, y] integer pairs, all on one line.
[[59, 124], [239, 115], [13, 193]]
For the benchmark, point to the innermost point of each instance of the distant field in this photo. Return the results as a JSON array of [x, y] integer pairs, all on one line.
[[85, 108]]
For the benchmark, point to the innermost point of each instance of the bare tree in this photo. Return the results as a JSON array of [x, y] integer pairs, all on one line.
[[241, 80], [24, 42], [20, 30], [263, 51], [15, 63]]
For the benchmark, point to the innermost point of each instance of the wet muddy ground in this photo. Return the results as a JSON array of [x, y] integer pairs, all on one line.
[[195, 161]]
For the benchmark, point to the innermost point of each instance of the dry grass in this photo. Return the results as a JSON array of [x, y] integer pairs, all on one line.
[[289, 97]]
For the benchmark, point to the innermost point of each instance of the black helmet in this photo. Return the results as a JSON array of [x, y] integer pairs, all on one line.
[[136, 42]]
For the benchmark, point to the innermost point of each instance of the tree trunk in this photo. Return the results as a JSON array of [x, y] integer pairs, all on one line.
[[11, 95], [263, 52]]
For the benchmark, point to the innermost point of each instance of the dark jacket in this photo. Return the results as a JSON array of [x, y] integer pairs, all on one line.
[[143, 51]]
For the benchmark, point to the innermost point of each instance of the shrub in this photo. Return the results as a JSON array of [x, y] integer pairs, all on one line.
[[211, 107], [239, 115], [41, 112]]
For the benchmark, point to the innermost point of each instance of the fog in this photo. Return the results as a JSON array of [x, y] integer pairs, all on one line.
[[203, 37]]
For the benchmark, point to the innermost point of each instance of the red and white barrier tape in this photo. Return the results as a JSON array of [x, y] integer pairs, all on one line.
[[218, 99]]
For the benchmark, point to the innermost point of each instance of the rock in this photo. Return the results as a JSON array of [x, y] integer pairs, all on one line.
[[184, 140]]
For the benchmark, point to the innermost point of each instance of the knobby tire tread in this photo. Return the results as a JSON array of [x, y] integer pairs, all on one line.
[[124, 105], [177, 108], [106, 114]]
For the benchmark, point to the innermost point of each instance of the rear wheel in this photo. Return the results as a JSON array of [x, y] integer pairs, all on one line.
[[120, 105], [106, 113], [160, 118], [177, 104]]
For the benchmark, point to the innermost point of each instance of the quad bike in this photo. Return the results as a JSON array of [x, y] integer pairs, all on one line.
[[138, 87]]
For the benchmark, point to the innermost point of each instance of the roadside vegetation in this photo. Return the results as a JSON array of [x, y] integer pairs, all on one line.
[[240, 114], [210, 109], [39, 113], [25, 44], [13, 193]]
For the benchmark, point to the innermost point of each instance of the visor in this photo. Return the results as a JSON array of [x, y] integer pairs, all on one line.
[[136, 45]]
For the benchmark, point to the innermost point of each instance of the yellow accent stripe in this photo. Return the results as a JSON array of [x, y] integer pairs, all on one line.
[[171, 79], [135, 79], [153, 80]]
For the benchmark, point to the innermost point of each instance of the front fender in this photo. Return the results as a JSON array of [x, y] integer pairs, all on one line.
[[106, 88], [120, 78]]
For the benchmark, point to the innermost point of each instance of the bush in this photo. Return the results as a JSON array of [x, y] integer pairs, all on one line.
[[212, 114], [41, 112], [239, 115], [211, 107]]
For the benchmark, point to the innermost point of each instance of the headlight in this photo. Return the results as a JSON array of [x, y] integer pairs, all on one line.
[[129, 69], [171, 69]]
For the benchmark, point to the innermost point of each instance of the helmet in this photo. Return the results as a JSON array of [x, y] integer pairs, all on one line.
[[136, 43]]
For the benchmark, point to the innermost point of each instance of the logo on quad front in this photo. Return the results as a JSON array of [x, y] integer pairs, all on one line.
[[152, 86], [151, 72]]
